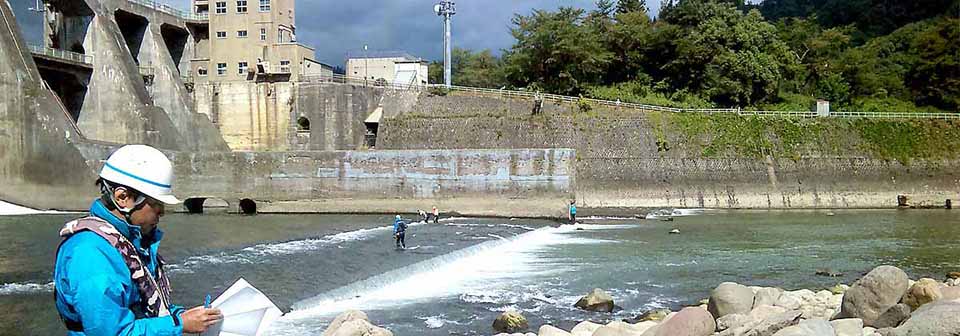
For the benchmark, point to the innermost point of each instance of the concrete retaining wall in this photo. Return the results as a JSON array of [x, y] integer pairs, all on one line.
[[622, 160]]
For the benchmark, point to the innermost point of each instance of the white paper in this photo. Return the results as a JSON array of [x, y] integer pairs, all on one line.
[[246, 311]]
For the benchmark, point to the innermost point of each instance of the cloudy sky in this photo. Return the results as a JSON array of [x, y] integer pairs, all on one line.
[[334, 27]]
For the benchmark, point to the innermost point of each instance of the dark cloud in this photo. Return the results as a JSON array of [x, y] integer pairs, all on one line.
[[335, 27]]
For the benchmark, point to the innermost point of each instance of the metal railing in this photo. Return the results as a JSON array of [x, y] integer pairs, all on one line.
[[546, 97], [186, 15], [341, 79], [62, 54]]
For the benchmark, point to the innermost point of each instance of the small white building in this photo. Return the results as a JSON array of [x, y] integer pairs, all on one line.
[[398, 68]]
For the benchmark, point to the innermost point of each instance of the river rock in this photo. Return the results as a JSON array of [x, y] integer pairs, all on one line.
[[731, 321], [773, 324], [360, 327], [950, 293], [653, 315], [642, 327], [893, 316], [766, 296], [764, 312], [597, 300], [585, 328], [690, 321], [346, 316], [873, 294], [848, 327], [808, 328], [953, 275], [549, 330], [938, 318], [730, 298], [510, 322], [618, 328], [924, 291], [838, 289], [952, 282]]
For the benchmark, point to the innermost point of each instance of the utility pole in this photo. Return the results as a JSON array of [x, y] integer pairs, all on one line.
[[446, 9], [365, 60]]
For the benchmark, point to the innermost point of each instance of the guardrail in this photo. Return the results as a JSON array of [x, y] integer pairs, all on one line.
[[609, 103], [186, 15], [62, 54]]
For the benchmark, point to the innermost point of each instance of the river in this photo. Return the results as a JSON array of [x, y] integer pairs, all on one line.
[[461, 273]]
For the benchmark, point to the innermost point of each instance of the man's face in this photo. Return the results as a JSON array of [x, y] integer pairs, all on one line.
[[145, 215], [148, 215]]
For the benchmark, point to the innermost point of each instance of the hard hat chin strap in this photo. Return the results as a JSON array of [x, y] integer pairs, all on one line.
[[110, 191]]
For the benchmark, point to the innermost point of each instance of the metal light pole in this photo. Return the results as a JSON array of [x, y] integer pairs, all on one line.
[[446, 9], [365, 60]]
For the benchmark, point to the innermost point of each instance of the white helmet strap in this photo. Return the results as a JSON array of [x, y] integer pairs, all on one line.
[[110, 190]]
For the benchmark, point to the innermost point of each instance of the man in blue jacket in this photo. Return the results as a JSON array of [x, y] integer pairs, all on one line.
[[108, 278], [399, 230]]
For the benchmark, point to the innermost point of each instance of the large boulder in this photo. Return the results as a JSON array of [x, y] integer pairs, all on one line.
[[510, 322], [549, 330], [346, 316], [923, 291], [848, 327], [808, 328], [597, 300], [893, 316], [938, 318], [585, 328], [360, 328], [874, 294], [690, 321], [730, 298]]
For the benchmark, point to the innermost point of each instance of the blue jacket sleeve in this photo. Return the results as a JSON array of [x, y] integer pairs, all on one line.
[[100, 293]]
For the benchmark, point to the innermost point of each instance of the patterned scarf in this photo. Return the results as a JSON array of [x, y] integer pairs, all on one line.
[[154, 293]]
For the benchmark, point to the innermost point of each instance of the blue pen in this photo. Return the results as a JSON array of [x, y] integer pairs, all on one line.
[[206, 302]]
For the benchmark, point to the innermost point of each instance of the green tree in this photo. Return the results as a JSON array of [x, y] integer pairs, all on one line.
[[555, 51], [935, 79], [631, 6], [731, 57]]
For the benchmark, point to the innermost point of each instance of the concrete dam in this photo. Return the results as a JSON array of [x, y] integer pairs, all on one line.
[[114, 72]]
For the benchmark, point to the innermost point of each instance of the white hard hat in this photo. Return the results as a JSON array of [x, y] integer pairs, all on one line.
[[398, 217], [142, 168]]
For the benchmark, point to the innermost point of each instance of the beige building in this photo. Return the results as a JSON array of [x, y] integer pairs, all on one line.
[[251, 40], [396, 68]]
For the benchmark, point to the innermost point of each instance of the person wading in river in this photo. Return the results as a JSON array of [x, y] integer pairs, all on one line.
[[572, 212], [399, 230], [108, 277]]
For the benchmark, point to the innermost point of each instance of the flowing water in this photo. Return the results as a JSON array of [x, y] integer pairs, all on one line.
[[460, 274]]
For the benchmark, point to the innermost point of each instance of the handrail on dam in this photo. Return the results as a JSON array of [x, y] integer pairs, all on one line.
[[186, 15], [62, 54], [643, 107]]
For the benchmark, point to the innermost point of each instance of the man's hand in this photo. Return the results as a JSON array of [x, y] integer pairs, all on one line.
[[198, 319]]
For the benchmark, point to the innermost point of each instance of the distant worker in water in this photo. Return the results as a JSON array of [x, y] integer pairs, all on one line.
[[424, 217], [399, 229], [436, 215], [572, 212], [108, 278]]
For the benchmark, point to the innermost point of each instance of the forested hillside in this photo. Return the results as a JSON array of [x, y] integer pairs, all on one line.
[[862, 55]]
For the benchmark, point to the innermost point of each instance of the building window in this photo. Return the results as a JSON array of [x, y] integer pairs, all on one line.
[[241, 33], [221, 69], [263, 34], [264, 5], [242, 67], [241, 6], [222, 7], [201, 71], [284, 66], [221, 34]]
